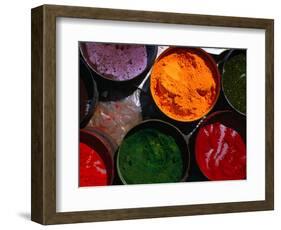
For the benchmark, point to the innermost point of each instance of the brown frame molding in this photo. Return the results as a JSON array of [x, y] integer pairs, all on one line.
[[43, 159]]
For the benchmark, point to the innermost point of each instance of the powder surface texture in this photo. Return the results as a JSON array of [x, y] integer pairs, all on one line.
[[117, 62], [150, 156], [220, 152], [183, 85], [234, 82]]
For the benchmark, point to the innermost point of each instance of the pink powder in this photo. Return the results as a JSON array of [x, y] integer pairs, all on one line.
[[118, 62]]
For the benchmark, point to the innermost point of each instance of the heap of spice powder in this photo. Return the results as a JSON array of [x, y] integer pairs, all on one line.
[[183, 84], [116, 61], [150, 156], [234, 82]]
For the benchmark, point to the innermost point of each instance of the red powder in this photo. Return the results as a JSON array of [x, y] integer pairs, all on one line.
[[92, 168], [220, 153]]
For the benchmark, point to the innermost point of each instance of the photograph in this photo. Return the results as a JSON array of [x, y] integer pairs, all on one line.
[[161, 114]]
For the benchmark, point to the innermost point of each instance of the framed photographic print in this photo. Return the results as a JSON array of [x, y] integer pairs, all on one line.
[[139, 114]]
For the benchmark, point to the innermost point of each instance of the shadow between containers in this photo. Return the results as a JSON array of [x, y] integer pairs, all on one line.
[[88, 94]]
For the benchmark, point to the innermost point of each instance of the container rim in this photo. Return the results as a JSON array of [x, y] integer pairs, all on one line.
[[233, 53], [206, 120], [217, 78], [85, 119], [111, 157], [146, 70], [184, 138]]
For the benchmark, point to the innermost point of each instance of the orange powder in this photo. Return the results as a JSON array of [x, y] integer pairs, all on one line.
[[183, 85]]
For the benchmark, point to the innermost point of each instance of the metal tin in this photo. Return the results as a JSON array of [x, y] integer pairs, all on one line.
[[105, 147], [216, 72], [151, 55], [166, 128]]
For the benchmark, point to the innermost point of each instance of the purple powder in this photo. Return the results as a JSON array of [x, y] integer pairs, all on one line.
[[118, 62]]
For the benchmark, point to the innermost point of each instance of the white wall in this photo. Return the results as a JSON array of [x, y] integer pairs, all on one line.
[[15, 112]]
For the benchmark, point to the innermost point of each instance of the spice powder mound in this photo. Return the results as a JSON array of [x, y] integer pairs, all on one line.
[[117, 62], [150, 156], [183, 85]]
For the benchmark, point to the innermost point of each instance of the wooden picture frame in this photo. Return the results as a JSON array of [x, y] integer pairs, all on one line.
[[43, 208]]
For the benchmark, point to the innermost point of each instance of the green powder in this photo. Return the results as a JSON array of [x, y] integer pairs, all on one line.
[[150, 156], [234, 82]]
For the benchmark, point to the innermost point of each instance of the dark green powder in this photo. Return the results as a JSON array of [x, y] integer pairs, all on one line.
[[234, 82], [150, 156]]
